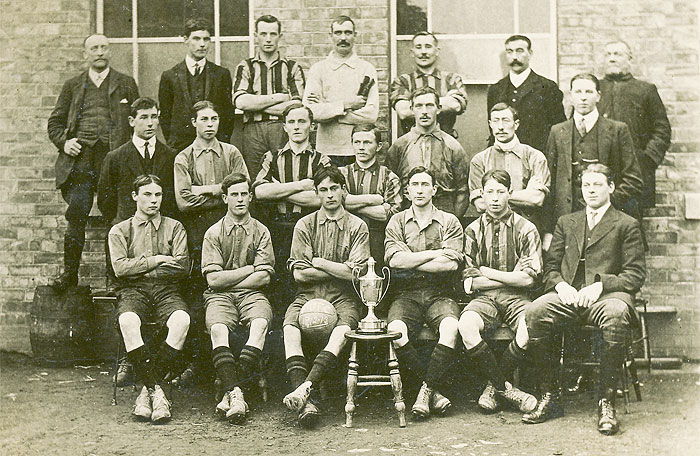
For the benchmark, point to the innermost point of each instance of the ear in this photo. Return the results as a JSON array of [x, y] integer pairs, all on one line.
[[133, 195], [516, 124], [131, 121], [224, 198]]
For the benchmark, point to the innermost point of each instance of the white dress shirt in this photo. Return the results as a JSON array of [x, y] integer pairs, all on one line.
[[517, 79], [140, 142], [589, 119], [98, 78], [190, 62], [599, 213]]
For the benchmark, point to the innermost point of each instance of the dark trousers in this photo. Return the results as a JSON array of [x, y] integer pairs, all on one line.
[[258, 138]]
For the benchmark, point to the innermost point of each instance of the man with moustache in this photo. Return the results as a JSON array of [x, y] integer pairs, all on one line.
[[264, 86], [193, 80], [536, 98], [342, 91], [636, 103], [453, 94], [91, 118]]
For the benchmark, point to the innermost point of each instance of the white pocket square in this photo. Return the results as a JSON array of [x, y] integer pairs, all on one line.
[[124, 100]]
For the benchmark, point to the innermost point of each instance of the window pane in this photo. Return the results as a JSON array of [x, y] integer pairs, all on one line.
[[534, 16], [154, 58], [232, 53], [117, 18], [120, 58], [160, 18], [474, 16], [234, 17], [411, 16]]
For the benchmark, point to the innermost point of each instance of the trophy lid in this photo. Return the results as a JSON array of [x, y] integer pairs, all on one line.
[[371, 273]]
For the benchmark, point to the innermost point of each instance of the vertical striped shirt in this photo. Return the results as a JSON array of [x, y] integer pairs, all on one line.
[[507, 244], [284, 165], [253, 76], [375, 180]]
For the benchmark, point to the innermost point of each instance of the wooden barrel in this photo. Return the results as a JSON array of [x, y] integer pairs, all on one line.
[[59, 326], [105, 335]]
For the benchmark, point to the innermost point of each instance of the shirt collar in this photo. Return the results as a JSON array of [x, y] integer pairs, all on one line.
[[140, 142], [277, 58], [618, 77], [510, 146], [198, 148], [436, 132], [435, 73], [373, 167], [339, 220], [507, 218], [229, 223], [589, 119], [518, 79], [189, 61], [599, 213], [435, 214], [288, 148], [138, 221], [98, 78], [337, 61]]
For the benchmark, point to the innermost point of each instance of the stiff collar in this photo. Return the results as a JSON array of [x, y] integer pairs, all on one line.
[[599, 213], [140, 142], [510, 146], [507, 218], [589, 119], [138, 221], [518, 79], [337, 61], [230, 223], [339, 219], [190, 62], [198, 148], [98, 78]]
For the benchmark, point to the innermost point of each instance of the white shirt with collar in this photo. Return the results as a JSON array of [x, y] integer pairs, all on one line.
[[98, 78], [589, 119], [190, 62], [517, 79], [599, 213], [140, 142]]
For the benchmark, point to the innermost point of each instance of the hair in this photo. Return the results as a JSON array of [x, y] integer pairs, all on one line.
[[424, 33], [368, 128], [200, 105], [90, 36], [141, 104], [588, 76], [233, 179], [418, 170], [425, 91], [499, 175], [330, 172], [268, 19], [503, 107], [342, 19], [291, 108], [520, 38], [601, 169], [629, 49], [145, 179], [195, 24]]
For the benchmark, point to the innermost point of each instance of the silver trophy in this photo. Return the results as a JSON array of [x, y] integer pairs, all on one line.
[[370, 292]]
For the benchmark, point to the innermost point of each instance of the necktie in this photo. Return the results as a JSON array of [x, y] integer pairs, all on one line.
[[197, 69], [581, 127], [147, 157], [591, 219]]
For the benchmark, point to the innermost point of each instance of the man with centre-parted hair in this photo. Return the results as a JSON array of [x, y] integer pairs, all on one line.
[[328, 245], [423, 249], [264, 86], [193, 80], [149, 257], [503, 261], [237, 262]]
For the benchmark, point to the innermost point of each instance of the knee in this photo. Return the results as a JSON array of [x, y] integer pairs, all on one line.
[[179, 321], [469, 324], [291, 334], [219, 331], [259, 327], [616, 311], [129, 322], [448, 331], [399, 327]]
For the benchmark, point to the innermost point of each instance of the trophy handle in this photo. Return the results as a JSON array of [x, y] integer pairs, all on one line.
[[355, 277], [386, 275]]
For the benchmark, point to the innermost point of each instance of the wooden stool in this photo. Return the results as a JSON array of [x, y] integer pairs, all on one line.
[[393, 379]]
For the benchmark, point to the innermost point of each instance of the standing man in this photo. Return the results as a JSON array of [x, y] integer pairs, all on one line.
[[526, 166], [149, 257], [503, 261], [265, 85], [193, 80], [536, 98], [587, 138], [237, 261], [342, 91], [449, 86], [592, 271], [91, 118], [423, 247], [636, 103], [328, 245], [374, 191], [428, 146]]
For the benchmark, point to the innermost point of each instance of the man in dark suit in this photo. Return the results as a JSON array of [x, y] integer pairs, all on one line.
[[636, 103], [592, 270], [90, 119], [190, 81], [588, 138], [537, 99]]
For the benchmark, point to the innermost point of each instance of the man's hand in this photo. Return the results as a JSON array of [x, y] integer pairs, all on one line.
[[480, 205], [546, 241], [72, 147], [567, 293], [354, 103], [485, 271], [162, 259], [374, 199], [589, 295], [306, 184], [313, 98], [318, 262]]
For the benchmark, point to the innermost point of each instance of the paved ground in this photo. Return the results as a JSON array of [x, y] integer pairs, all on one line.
[[67, 411]]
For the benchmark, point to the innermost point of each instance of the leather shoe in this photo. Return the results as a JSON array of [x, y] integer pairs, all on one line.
[[309, 415], [607, 421], [64, 281], [547, 408]]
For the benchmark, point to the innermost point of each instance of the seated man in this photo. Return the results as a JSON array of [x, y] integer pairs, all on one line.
[[326, 247], [149, 257], [503, 259], [423, 246], [237, 261], [592, 270]]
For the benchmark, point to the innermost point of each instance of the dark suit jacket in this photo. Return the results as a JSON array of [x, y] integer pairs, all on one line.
[[63, 121], [614, 254], [176, 105], [539, 106], [637, 103], [615, 149], [120, 168]]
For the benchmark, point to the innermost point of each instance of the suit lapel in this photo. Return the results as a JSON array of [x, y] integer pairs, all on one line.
[[564, 152], [606, 224], [77, 102], [529, 84], [578, 220], [113, 82], [181, 75], [605, 139], [134, 158]]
